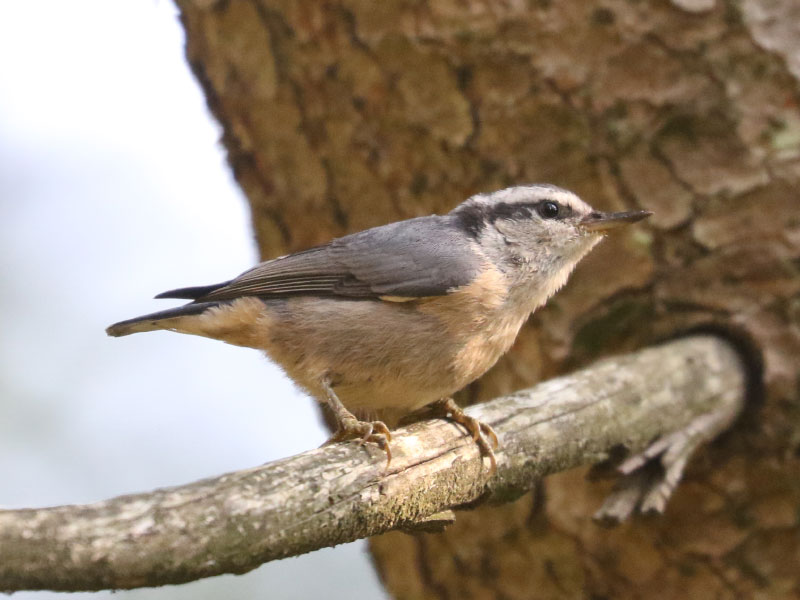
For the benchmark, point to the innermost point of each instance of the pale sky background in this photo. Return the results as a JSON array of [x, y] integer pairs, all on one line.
[[113, 187]]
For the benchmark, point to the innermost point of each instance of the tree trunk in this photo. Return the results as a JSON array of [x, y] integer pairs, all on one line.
[[343, 115]]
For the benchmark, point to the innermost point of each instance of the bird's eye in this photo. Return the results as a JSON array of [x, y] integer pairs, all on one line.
[[548, 209]]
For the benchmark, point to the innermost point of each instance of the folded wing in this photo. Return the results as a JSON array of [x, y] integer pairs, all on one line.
[[422, 257]]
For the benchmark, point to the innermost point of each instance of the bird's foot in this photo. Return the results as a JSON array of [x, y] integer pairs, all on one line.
[[483, 434], [350, 428]]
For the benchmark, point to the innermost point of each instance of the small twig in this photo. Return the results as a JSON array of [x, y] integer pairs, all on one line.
[[649, 477], [342, 492]]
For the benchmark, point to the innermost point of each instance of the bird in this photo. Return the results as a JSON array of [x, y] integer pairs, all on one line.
[[395, 318]]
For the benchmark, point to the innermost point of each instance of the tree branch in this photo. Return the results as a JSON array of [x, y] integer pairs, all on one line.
[[648, 402]]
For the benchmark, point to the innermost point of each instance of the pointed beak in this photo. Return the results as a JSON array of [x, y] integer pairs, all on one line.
[[598, 222]]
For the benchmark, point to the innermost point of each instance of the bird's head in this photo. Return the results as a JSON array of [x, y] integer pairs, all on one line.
[[537, 231]]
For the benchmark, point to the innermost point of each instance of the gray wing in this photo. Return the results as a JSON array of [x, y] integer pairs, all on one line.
[[427, 256]]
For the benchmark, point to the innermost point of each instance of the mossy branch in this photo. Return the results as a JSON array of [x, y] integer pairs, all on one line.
[[658, 404]]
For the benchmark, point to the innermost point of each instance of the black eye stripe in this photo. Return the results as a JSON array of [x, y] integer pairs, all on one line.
[[524, 210], [515, 210]]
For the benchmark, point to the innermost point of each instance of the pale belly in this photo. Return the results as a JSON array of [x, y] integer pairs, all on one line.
[[382, 358]]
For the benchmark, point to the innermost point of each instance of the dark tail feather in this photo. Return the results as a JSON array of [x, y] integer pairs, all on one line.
[[154, 321], [192, 293]]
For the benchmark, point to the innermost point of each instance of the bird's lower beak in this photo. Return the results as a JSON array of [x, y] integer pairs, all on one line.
[[599, 222]]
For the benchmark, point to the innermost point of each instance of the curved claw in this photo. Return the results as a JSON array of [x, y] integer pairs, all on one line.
[[478, 430], [364, 432], [381, 438], [488, 431], [377, 428]]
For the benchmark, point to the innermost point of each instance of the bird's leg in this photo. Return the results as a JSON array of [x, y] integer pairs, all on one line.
[[348, 427], [482, 433]]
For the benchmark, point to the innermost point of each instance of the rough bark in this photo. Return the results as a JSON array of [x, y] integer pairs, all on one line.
[[680, 394], [342, 115]]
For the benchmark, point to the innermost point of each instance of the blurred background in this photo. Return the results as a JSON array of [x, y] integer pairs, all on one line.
[[113, 187]]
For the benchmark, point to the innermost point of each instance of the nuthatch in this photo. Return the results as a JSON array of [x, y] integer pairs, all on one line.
[[388, 320]]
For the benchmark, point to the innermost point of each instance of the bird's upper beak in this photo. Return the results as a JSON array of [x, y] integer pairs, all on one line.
[[599, 221]]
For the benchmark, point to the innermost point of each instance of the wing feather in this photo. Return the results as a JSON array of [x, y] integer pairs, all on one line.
[[427, 256]]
